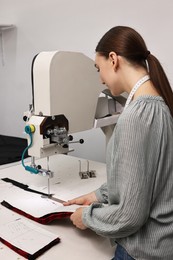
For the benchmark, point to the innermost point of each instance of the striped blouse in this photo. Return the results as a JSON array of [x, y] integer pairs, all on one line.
[[135, 206]]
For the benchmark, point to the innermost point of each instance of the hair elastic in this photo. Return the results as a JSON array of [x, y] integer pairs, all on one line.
[[147, 54]]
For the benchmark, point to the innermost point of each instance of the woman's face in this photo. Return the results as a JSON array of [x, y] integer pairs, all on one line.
[[106, 69]]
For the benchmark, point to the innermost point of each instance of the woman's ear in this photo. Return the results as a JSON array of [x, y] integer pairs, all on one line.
[[113, 59]]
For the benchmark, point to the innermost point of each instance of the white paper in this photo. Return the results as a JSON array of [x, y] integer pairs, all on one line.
[[25, 235], [34, 204]]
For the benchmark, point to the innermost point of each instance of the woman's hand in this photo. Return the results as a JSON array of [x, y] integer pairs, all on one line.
[[76, 218], [87, 199]]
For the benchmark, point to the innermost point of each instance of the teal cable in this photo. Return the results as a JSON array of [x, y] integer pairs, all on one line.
[[28, 168], [26, 149]]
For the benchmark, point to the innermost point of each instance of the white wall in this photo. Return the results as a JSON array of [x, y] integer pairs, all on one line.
[[74, 25]]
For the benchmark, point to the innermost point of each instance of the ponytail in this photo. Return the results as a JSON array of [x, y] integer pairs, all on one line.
[[160, 81]]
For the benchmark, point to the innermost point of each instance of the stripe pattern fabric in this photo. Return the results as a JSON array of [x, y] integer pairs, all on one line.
[[135, 206]]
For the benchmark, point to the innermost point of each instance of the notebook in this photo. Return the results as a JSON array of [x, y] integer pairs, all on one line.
[[34, 206], [24, 237]]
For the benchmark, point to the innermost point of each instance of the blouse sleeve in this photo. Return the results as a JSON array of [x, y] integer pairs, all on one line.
[[102, 194]]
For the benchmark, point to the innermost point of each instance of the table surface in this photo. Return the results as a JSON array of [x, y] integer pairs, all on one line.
[[66, 184]]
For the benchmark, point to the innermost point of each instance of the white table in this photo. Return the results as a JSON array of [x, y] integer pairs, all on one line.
[[66, 183]]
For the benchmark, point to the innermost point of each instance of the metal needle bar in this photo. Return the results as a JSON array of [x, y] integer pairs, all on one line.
[[48, 180]]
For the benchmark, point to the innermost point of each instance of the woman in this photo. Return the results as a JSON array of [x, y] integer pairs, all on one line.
[[135, 207]]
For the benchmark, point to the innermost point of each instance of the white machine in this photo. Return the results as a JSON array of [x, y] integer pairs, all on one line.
[[66, 99]]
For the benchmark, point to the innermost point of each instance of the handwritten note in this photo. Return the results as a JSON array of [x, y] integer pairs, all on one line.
[[25, 235]]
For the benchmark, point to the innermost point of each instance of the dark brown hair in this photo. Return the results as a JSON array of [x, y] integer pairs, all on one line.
[[126, 42]]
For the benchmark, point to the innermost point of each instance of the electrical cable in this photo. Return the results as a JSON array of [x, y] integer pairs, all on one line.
[[29, 129]]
